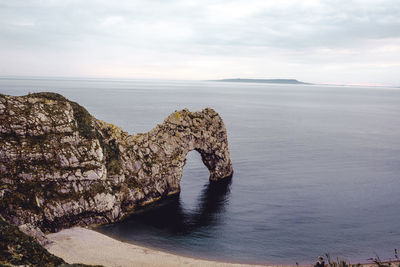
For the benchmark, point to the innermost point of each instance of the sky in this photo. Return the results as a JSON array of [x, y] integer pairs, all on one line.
[[340, 42]]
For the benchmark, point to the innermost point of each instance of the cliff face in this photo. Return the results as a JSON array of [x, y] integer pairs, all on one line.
[[59, 166]]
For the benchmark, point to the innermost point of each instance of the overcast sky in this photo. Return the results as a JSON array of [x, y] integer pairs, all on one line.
[[343, 41]]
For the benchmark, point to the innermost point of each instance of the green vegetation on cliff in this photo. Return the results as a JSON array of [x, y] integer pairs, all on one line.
[[16, 248]]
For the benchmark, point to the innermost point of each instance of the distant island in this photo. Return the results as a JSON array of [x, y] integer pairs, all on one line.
[[283, 81]]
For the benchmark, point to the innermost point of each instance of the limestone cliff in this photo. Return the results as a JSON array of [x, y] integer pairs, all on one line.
[[60, 166]]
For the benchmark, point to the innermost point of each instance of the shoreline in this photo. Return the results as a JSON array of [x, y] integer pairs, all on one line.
[[82, 245], [144, 246], [88, 246]]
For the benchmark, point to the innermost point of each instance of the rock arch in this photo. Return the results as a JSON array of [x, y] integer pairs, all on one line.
[[60, 166], [162, 151]]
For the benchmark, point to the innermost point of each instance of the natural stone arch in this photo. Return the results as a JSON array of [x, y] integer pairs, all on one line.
[[80, 170], [163, 150]]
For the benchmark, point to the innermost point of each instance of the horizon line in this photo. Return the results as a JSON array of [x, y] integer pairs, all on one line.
[[55, 77]]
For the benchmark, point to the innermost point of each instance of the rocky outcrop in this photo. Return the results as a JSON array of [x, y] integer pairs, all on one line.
[[59, 166], [19, 249]]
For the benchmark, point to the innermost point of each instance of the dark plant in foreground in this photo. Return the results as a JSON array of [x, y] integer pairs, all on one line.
[[339, 262], [343, 263], [380, 263]]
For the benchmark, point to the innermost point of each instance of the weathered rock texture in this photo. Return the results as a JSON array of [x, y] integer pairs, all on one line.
[[59, 166]]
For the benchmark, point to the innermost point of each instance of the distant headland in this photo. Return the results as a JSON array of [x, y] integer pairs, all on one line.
[[282, 81]]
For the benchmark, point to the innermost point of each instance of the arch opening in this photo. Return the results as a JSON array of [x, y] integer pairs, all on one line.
[[194, 178]]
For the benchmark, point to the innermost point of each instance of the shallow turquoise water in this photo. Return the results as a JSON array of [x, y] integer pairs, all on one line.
[[317, 168]]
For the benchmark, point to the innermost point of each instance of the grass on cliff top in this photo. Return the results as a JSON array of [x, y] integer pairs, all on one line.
[[49, 96], [17, 248]]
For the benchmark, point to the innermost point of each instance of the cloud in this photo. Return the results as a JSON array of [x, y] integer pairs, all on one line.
[[169, 36]]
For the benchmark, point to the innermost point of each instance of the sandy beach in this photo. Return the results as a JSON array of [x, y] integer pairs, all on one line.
[[81, 245]]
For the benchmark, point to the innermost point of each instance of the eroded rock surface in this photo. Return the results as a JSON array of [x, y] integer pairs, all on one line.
[[59, 166]]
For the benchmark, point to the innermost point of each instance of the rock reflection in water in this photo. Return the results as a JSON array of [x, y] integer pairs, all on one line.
[[170, 218]]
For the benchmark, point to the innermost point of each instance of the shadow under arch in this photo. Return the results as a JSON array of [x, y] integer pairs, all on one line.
[[209, 206], [169, 217], [173, 216], [212, 202]]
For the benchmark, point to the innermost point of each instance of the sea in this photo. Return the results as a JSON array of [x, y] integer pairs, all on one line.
[[316, 168]]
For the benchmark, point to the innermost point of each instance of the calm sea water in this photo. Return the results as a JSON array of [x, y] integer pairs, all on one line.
[[317, 168]]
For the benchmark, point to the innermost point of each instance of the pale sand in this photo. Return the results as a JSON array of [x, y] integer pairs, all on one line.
[[80, 245]]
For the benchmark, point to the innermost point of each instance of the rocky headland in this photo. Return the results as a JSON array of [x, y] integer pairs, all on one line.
[[61, 167]]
